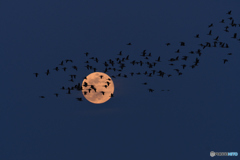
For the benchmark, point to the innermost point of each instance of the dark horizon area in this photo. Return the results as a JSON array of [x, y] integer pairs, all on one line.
[[189, 114]]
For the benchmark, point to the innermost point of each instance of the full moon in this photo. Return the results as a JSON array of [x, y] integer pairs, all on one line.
[[98, 87]]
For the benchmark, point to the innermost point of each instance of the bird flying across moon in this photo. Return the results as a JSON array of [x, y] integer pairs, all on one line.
[[99, 87]]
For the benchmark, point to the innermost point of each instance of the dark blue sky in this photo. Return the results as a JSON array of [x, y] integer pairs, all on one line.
[[199, 114]]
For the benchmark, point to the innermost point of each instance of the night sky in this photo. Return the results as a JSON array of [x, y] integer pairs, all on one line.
[[199, 113]]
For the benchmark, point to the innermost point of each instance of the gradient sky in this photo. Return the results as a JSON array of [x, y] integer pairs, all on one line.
[[199, 114]]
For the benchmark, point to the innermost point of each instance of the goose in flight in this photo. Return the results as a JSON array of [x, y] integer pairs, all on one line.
[[68, 60], [61, 63], [234, 36], [74, 67], [197, 36], [216, 39], [168, 44], [210, 25], [79, 99], [85, 84], [105, 86], [225, 60], [158, 60], [36, 74], [210, 33], [47, 73], [182, 43], [185, 58], [183, 65], [229, 12], [56, 69], [69, 91], [150, 90], [89, 90]]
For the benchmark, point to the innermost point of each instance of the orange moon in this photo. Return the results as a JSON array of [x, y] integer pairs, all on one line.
[[97, 87]]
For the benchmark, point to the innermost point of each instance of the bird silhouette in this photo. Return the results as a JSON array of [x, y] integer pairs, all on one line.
[[143, 53], [158, 60], [69, 60], [150, 90], [74, 67], [69, 91], [79, 99], [185, 58], [176, 70], [197, 36], [226, 30], [222, 21], [56, 69], [183, 65], [229, 12], [71, 80], [216, 39], [210, 25], [105, 86], [85, 84], [61, 63], [89, 90], [235, 35], [182, 43], [47, 73], [210, 33], [92, 87], [225, 60], [36, 74]]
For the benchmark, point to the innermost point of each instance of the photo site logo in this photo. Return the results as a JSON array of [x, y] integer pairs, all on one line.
[[212, 153]]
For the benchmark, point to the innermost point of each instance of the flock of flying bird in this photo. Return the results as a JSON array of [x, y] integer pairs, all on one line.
[[118, 64]]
